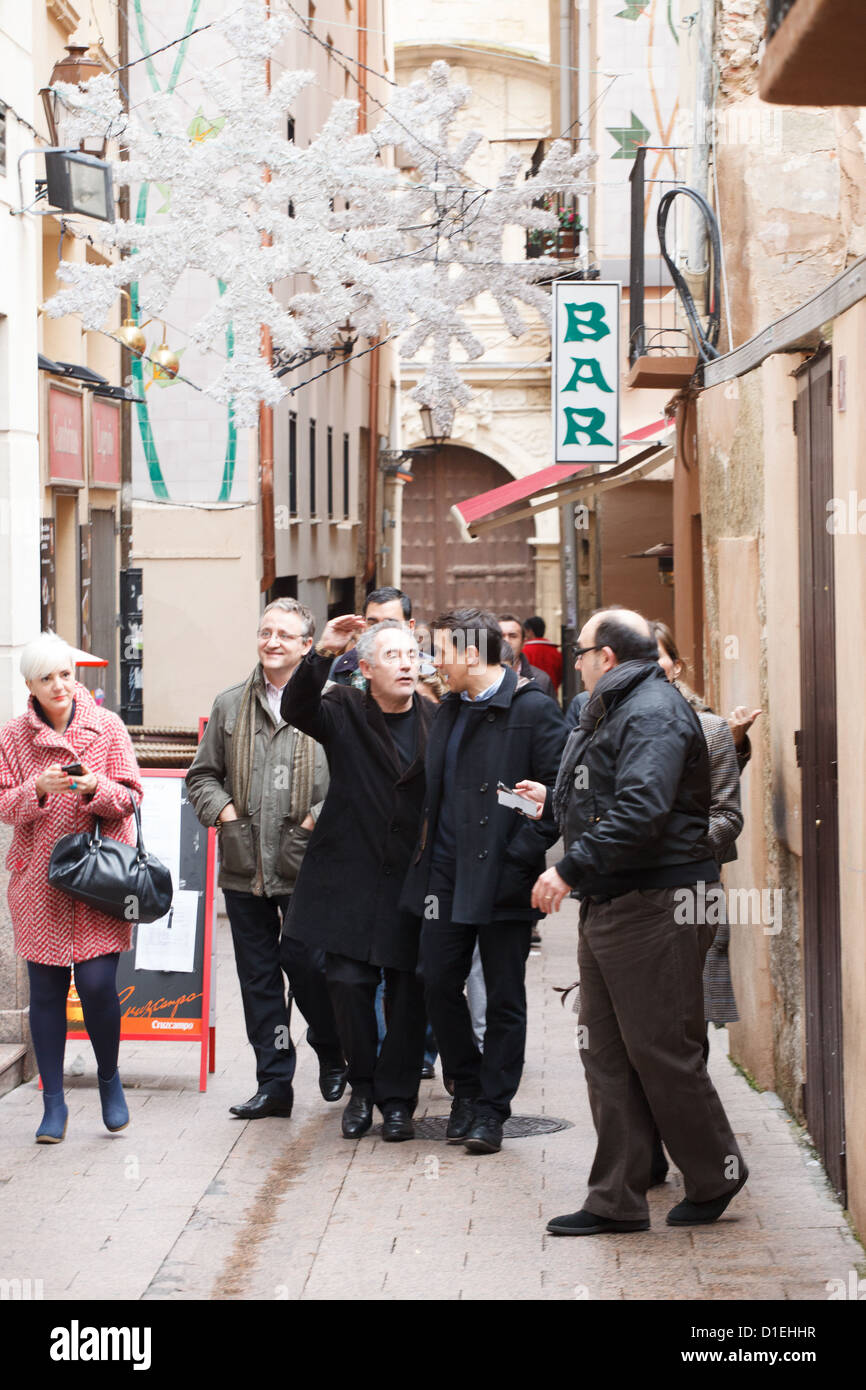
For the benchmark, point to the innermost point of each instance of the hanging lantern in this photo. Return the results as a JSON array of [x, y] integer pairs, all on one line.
[[76, 67], [165, 362]]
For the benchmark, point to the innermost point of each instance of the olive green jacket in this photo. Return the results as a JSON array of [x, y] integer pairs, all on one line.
[[262, 851]]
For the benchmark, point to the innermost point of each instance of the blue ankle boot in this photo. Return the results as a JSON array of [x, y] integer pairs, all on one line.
[[114, 1108], [54, 1120]]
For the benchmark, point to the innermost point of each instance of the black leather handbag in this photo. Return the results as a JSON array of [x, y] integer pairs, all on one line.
[[121, 880]]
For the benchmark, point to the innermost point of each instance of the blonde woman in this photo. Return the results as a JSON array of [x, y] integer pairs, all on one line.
[[64, 763]]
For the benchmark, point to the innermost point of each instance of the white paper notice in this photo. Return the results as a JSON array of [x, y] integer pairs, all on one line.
[[169, 943], [160, 821]]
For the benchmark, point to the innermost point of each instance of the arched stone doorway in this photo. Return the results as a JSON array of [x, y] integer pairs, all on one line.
[[439, 569]]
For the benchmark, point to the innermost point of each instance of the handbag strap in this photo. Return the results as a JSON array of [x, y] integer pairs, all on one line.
[[96, 832]]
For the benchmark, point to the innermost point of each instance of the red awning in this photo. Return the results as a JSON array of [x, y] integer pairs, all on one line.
[[486, 506]]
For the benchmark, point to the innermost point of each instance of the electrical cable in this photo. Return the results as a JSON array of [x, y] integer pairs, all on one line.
[[705, 339]]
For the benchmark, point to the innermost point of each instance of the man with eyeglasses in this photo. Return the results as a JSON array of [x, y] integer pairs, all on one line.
[[262, 783], [632, 801], [346, 901], [380, 604]]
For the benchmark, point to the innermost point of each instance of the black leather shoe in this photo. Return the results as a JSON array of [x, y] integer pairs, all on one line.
[[428, 1071], [263, 1104], [397, 1122], [332, 1082], [357, 1117], [485, 1136], [586, 1223], [461, 1120], [687, 1213]]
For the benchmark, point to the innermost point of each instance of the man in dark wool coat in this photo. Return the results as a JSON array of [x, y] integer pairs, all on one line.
[[346, 899]]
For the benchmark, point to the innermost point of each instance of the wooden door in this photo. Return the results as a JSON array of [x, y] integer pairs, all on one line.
[[442, 571], [824, 1099]]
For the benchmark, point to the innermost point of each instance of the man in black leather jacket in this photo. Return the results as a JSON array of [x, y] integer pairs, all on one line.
[[632, 799]]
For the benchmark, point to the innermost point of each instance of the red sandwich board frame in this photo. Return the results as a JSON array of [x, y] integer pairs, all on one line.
[[203, 1032]]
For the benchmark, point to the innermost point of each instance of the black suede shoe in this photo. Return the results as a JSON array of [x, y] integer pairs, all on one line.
[[263, 1104], [485, 1136], [357, 1117], [332, 1082], [461, 1120], [397, 1122], [586, 1223], [687, 1213]]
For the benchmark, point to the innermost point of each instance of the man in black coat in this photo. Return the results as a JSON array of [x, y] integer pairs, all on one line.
[[476, 862], [346, 899], [632, 799]]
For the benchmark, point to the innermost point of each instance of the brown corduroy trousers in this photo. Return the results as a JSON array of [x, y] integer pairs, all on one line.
[[641, 1042]]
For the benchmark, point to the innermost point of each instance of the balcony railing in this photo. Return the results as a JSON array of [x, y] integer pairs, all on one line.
[[563, 242]]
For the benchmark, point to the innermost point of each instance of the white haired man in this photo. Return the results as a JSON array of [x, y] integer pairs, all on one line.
[[347, 895]]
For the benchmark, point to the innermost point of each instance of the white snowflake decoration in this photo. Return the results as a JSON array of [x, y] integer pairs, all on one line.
[[377, 247], [463, 255]]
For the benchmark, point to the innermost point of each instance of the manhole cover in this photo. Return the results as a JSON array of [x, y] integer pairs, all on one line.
[[518, 1127]]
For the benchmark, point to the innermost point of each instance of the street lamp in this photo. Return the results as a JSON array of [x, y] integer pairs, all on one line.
[[439, 437], [75, 68]]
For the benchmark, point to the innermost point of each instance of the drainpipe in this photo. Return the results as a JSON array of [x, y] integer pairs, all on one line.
[[697, 262], [266, 430], [567, 546], [373, 393]]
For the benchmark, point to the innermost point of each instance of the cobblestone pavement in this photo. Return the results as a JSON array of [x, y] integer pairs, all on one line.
[[190, 1203]]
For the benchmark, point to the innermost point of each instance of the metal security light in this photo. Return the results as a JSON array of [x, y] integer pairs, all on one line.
[[79, 183]]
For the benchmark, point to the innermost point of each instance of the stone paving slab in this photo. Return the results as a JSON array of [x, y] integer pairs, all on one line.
[[189, 1203]]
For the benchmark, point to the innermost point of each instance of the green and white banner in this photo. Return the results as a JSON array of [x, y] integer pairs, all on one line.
[[585, 383]]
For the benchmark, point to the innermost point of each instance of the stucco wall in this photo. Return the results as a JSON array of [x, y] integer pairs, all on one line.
[[201, 606], [749, 497]]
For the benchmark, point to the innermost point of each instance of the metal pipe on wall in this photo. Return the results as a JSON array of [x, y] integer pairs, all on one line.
[[266, 431], [373, 392]]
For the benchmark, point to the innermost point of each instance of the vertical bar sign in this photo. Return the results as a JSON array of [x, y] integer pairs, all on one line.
[[586, 371]]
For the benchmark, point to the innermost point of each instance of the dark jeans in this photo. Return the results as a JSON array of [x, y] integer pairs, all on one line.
[[395, 1074], [445, 959], [643, 1036], [259, 955]]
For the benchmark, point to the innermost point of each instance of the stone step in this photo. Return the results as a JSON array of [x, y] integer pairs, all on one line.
[[12, 1057]]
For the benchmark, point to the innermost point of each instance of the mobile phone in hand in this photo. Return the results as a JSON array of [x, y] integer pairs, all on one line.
[[73, 770], [507, 796]]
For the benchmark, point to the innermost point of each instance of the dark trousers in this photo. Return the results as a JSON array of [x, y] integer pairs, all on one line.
[[261, 957], [395, 1074], [642, 1036], [490, 1078]]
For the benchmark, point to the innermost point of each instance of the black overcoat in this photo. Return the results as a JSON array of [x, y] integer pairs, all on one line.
[[347, 892], [518, 733]]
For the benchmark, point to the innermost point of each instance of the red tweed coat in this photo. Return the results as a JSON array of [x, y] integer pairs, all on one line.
[[50, 927]]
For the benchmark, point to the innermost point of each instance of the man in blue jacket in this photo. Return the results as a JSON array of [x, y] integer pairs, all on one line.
[[472, 873]]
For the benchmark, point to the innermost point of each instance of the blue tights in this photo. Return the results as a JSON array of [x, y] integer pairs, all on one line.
[[96, 982]]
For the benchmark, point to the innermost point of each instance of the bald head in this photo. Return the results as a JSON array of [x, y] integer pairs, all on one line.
[[613, 635]]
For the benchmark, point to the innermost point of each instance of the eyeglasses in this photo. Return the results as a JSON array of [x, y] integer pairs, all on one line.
[[266, 636], [577, 652]]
